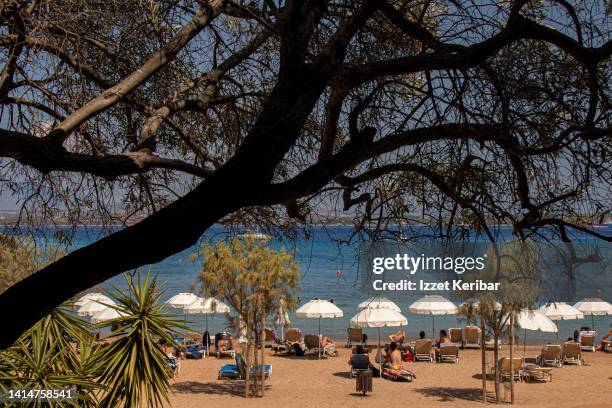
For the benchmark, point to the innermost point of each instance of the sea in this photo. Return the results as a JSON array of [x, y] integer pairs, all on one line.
[[333, 270]]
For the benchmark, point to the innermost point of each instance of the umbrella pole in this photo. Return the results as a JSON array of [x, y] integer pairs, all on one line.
[[433, 326], [319, 351]]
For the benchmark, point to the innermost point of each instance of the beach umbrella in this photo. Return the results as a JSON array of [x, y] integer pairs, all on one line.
[[282, 319], [319, 309], [182, 300], [475, 304], [378, 317], [594, 307], [91, 297], [107, 314], [434, 305], [206, 306], [378, 302], [561, 311], [91, 307], [534, 320]]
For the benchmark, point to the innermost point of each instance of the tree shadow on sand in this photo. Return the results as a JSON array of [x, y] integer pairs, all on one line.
[[235, 388], [449, 394]]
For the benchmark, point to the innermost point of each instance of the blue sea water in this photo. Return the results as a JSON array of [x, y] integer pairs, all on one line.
[[330, 271]]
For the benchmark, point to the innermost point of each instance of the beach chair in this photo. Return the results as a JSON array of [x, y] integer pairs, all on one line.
[[359, 363], [504, 368], [312, 344], [293, 336], [449, 354], [456, 336], [402, 374], [550, 356], [238, 371], [174, 364], [587, 341], [224, 345], [572, 353], [471, 337], [423, 350], [354, 337]]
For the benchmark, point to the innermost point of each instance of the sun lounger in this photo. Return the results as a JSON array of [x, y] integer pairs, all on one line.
[[587, 341], [293, 336], [504, 368], [423, 350], [238, 371], [312, 344], [398, 375], [456, 336], [354, 337], [449, 354], [533, 372], [550, 355], [572, 353], [471, 337]]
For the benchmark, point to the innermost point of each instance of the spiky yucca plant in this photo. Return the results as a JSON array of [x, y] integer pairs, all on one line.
[[134, 370], [43, 358]]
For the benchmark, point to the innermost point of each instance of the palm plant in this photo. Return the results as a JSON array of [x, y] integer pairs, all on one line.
[[40, 360], [133, 369]]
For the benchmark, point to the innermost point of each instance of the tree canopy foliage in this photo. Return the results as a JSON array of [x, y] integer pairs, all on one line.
[[171, 115]]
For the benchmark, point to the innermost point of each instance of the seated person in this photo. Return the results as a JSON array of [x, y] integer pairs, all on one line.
[[393, 358], [360, 360], [605, 341], [223, 342], [443, 339], [421, 335], [328, 346], [398, 337]]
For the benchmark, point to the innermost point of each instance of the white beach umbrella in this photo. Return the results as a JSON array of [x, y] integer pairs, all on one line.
[[434, 305], [475, 304], [89, 297], [378, 317], [534, 320], [91, 307], [182, 300], [561, 311], [107, 314], [594, 307], [206, 306], [319, 309], [378, 302], [282, 319]]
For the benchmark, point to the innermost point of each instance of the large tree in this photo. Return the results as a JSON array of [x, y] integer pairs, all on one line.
[[168, 116]]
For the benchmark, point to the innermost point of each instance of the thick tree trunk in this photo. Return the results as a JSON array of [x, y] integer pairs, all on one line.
[[241, 182]]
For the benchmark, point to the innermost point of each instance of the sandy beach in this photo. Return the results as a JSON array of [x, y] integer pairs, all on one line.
[[308, 382]]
